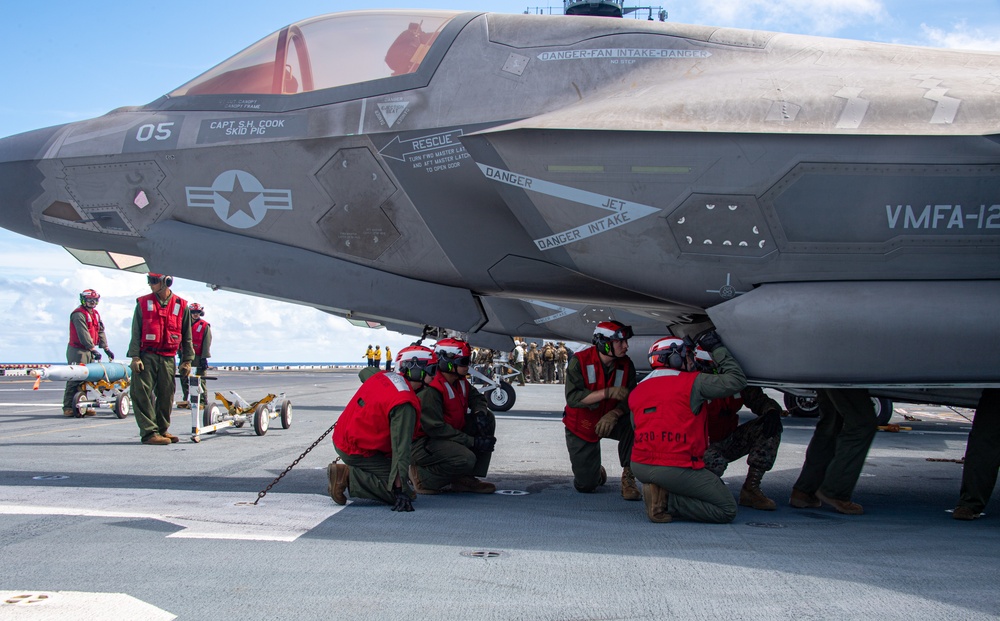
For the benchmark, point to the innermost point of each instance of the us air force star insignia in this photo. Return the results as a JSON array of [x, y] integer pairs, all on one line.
[[239, 199]]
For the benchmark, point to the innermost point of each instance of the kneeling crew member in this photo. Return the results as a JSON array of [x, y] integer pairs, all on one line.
[[598, 380], [374, 434], [756, 439], [671, 431], [457, 428]]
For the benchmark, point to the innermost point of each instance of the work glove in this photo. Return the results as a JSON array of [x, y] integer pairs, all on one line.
[[616, 393], [137, 365], [111, 355], [483, 444], [606, 425], [709, 340], [403, 502], [96, 354], [202, 366], [771, 422], [185, 369], [482, 423]]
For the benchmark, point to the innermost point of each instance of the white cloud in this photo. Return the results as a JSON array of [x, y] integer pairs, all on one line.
[[819, 17], [961, 37]]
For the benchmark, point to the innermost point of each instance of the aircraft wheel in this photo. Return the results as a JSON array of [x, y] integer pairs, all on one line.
[[286, 414], [261, 417], [883, 409], [123, 405], [210, 415], [77, 399], [501, 398], [805, 407]]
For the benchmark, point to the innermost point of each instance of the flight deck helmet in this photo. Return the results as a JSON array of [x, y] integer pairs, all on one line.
[[607, 332], [414, 362], [89, 298], [670, 352], [197, 308], [155, 279], [452, 353]]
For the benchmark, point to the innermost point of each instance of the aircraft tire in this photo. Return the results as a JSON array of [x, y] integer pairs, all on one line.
[[883, 410], [803, 407], [501, 398], [261, 418]]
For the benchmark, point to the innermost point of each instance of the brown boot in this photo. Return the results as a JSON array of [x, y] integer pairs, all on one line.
[[750, 494], [173, 439], [418, 487], [629, 490], [656, 498], [156, 439], [604, 477], [69, 412], [964, 513], [90, 412], [802, 500], [337, 476], [472, 485], [841, 506]]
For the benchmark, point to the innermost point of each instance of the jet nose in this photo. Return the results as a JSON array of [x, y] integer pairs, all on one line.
[[20, 179]]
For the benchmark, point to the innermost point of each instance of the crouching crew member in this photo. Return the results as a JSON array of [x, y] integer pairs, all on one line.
[[598, 380], [671, 431], [756, 439], [457, 428], [374, 434]]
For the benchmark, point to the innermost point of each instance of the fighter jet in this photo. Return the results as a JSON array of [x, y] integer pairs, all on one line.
[[832, 207]]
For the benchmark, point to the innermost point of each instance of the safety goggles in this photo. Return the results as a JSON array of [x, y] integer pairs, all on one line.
[[153, 280]]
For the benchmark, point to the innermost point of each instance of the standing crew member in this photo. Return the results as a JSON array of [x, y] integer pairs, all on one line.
[[517, 361], [370, 355], [671, 431], [837, 451], [161, 326], [982, 458], [86, 334], [374, 434], [378, 357], [388, 358], [201, 337], [598, 380], [456, 437], [757, 439]]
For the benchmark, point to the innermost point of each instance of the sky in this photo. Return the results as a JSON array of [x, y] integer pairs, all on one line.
[[67, 60]]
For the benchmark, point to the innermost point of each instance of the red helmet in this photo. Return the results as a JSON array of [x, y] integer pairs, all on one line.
[[669, 352], [197, 308], [89, 298], [452, 353], [607, 332], [154, 279], [415, 361]]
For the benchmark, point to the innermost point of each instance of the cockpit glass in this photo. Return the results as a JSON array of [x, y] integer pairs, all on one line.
[[324, 52]]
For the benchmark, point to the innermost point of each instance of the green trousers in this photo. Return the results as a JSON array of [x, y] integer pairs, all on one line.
[[74, 356], [439, 462], [982, 454], [840, 443], [152, 393], [696, 495], [370, 476], [585, 457]]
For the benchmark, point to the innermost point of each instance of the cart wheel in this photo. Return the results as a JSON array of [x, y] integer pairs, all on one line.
[[77, 399], [123, 405], [261, 416], [210, 415], [286, 414]]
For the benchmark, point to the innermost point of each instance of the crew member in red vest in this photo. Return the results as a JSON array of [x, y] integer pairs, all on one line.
[[457, 428], [86, 334], [161, 327], [598, 380], [374, 434], [201, 338], [671, 430]]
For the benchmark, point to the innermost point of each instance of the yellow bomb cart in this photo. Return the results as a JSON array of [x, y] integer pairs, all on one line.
[[103, 385], [235, 411]]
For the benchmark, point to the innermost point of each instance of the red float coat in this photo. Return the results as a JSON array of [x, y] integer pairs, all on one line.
[[455, 400], [198, 336], [93, 319], [581, 421], [363, 428], [722, 418], [667, 432], [161, 325]]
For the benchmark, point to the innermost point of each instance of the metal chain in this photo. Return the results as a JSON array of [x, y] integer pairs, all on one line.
[[263, 492]]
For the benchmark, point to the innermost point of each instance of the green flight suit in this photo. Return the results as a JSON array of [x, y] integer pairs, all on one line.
[[374, 477]]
